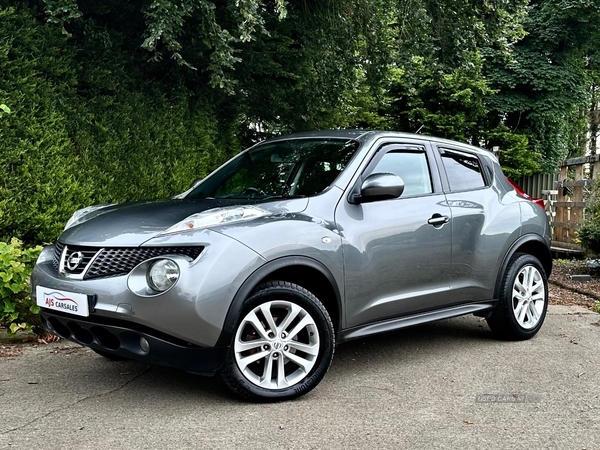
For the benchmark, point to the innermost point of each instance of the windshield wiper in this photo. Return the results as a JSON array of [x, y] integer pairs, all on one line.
[[282, 196]]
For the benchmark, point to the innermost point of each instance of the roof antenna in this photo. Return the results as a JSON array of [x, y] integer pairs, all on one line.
[[419, 130]]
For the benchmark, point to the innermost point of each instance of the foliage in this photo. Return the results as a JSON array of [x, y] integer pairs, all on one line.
[[136, 141], [516, 158], [39, 182], [543, 86], [93, 121], [322, 67], [81, 133], [445, 102], [437, 81], [17, 310], [596, 307], [4, 109], [168, 24], [589, 236], [589, 233]]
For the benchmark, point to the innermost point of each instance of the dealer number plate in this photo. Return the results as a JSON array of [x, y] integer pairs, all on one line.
[[64, 301]]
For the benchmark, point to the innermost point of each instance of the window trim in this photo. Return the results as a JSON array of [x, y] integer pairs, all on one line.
[[441, 149], [403, 146]]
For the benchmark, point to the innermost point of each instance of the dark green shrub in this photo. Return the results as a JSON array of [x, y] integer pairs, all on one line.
[[140, 146], [82, 132], [41, 182], [516, 156], [589, 234]]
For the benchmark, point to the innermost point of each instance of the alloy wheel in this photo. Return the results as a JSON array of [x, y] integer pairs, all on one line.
[[276, 344], [528, 297]]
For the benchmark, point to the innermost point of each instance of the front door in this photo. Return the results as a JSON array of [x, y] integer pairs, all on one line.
[[397, 253]]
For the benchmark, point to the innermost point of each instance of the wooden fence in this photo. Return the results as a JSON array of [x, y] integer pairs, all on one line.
[[565, 196], [576, 178]]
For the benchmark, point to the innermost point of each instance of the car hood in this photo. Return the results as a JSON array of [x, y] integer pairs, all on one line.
[[132, 224]]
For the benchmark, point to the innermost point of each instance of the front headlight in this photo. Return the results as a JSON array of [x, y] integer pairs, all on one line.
[[217, 216], [162, 275], [79, 215]]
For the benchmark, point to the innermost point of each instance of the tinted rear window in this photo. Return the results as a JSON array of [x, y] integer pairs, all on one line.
[[464, 171]]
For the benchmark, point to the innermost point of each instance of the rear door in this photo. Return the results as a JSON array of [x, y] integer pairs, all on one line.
[[481, 224], [397, 253]]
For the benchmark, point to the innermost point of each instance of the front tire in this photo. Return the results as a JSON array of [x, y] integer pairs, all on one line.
[[523, 302], [282, 346]]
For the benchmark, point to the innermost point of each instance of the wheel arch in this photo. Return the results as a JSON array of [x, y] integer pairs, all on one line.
[[531, 244], [301, 270]]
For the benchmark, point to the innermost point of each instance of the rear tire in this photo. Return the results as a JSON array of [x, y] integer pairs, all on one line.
[[282, 346], [523, 302]]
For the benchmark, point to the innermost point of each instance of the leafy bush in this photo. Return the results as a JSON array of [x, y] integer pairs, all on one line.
[[139, 139], [589, 234], [17, 310]]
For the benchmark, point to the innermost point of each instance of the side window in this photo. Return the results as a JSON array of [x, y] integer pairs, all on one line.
[[463, 170], [411, 167]]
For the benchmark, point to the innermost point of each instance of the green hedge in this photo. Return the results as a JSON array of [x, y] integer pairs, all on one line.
[[80, 133], [74, 133], [39, 183]]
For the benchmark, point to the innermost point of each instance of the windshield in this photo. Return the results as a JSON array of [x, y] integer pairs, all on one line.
[[292, 168]]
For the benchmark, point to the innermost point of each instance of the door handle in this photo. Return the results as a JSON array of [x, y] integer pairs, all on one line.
[[438, 219]]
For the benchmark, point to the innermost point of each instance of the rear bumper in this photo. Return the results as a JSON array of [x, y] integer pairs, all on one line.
[[139, 343]]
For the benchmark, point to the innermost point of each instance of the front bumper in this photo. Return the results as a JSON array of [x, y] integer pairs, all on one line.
[[194, 310], [120, 338]]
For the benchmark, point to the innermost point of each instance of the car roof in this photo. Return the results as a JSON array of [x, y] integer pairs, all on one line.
[[342, 133], [362, 135]]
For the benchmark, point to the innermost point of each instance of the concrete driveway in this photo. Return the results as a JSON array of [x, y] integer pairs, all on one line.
[[445, 385]]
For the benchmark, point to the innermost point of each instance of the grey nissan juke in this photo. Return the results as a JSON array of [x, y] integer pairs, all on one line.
[[295, 245]]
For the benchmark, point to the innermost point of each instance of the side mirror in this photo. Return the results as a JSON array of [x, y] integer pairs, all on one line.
[[379, 186], [195, 183]]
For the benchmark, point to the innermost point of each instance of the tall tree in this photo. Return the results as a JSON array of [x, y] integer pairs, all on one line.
[[543, 87], [437, 79]]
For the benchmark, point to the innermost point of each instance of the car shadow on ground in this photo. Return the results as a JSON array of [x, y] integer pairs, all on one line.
[[407, 346]]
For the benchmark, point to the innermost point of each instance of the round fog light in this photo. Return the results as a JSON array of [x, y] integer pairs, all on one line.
[[144, 345], [162, 275]]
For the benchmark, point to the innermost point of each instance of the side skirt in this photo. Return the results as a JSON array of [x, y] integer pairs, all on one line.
[[415, 319]]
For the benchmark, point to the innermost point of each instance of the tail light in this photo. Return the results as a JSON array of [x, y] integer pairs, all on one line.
[[521, 192]]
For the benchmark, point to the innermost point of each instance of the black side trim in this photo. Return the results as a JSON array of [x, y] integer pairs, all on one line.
[[233, 315], [412, 320], [513, 249]]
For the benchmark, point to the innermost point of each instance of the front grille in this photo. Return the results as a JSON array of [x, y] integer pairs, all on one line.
[[105, 262], [118, 261]]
